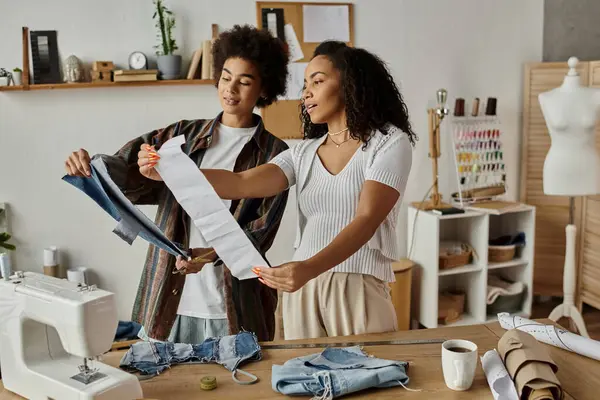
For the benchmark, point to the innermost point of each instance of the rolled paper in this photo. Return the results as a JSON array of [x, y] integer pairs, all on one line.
[[501, 384], [552, 335]]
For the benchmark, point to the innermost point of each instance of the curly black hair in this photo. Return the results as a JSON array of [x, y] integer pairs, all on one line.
[[259, 47], [369, 92]]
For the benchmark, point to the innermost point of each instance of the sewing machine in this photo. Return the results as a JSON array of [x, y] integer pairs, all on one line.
[[51, 333]]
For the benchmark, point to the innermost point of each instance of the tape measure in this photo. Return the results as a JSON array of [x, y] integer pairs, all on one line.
[[208, 383], [348, 344]]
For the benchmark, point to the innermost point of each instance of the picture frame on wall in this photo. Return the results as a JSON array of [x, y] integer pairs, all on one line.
[[44, 57]]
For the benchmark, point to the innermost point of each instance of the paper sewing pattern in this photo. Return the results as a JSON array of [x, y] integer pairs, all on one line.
[[294, 47], [552, 335], [501, 384], [198, 198], [323, 22], [295, 81]]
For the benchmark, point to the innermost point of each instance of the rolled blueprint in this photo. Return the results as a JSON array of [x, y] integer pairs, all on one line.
[[198, 198], [552, 335], [501, 384]]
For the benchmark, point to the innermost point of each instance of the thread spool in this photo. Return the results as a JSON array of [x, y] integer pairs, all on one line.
[[78, 275], [208, 383], [51, 265], [459, 107], [5, 266], [475, 110], [490, 108]]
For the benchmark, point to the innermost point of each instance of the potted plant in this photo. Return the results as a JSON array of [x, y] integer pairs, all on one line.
[[4, 77], [17, 76], [169, 64]]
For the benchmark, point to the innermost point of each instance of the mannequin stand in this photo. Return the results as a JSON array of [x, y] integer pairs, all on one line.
[[567, 309]]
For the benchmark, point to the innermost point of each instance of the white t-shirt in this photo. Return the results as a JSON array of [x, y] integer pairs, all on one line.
[[203, 295]]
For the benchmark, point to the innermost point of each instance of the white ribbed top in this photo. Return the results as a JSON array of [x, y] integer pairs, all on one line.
[[327, 203]]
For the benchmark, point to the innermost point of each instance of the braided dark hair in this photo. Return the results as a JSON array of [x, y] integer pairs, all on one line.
[[369, 92]]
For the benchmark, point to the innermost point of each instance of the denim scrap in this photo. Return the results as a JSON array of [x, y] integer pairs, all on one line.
[[153, 357], [131, 222], [127, 330], [337, 372]]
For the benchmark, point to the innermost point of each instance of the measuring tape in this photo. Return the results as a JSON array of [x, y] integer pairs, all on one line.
[[348, 344]]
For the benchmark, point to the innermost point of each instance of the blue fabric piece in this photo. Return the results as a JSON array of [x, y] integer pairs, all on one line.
[[127, 330], [151, 358], [131, 221], [337, 372]]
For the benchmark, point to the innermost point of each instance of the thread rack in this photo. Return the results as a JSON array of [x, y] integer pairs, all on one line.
[[479, 158]]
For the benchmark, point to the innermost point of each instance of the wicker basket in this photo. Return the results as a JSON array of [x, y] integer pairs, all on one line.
[[501, 253], [448, 261]]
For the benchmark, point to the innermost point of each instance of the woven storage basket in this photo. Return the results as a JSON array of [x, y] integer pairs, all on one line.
[[448, 261], [501, 253]]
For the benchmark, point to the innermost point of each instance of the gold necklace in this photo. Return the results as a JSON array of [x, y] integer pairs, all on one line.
[[337, 133], [341, 143]]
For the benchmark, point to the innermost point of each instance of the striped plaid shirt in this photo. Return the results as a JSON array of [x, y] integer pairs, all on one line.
[[250, 305]]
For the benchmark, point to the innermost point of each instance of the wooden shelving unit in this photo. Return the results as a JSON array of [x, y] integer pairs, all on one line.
[[90, 85]]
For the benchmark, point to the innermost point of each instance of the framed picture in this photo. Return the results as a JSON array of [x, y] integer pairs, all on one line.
[[44, 57]]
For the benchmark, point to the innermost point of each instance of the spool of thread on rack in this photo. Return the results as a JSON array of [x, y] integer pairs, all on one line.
[[459, 107], [491, 105], [51, 264], [475, 109]]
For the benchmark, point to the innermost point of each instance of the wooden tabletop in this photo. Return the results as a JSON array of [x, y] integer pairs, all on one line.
[[579, 376]]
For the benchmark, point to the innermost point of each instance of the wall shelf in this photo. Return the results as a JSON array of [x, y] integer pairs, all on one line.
[[90, 85]]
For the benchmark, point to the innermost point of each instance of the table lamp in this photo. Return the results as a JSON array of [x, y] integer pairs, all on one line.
[[436, 116], [571, 167]]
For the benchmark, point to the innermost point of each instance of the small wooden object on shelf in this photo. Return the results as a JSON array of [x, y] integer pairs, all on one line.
[[102, 71]]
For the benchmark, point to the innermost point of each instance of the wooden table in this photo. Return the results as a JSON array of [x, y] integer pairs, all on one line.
[[580, 376]]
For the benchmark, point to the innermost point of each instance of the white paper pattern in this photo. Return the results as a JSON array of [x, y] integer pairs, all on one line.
[[293, 44], [326, 23], [501, 384], [206, 209], [295, 81], [552, 335]]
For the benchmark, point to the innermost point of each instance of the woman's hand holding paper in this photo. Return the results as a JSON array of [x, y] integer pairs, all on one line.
[[147, 159], [287, 277]]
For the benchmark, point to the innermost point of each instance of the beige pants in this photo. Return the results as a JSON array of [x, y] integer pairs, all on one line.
[[338, 304]]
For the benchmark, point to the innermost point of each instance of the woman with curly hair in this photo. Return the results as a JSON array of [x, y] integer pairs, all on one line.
[[187, 302], [350, 173]]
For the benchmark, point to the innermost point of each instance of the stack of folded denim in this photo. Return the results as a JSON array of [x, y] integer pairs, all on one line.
[[336, 372]]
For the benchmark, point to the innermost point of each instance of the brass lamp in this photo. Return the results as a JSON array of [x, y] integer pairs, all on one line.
[[436, 116]]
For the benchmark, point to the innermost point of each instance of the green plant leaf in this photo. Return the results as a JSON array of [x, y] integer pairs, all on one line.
[[4, 237], [8, 246]]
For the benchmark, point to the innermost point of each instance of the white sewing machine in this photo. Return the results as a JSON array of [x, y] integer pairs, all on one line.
[[51, 331]]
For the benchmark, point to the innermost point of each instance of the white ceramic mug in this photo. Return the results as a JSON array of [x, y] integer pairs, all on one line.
[[459, 366]]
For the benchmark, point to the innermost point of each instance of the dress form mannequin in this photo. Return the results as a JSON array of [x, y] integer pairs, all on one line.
[[572, 165]]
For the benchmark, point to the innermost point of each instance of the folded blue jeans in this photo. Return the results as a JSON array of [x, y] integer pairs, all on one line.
[[153, 357], [337, 372]]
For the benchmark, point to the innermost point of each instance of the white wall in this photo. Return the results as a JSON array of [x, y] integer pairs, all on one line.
[[470, 47]]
